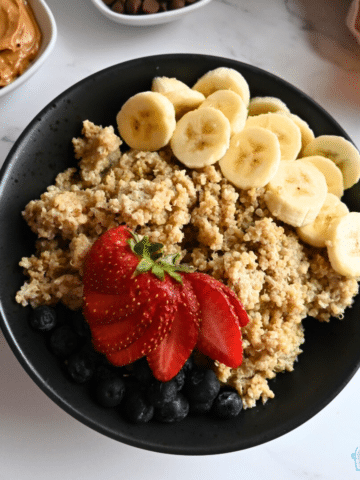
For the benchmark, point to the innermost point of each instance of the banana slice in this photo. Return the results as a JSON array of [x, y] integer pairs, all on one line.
[[332, 173], [167, 84], [307, 135], [341, 152], [146, 121], [296, 193], [223, 78], [259, 105], [201, 137], [344, 245], [231, 105], [180, 95], [252, 158], [319, 231], [284, 128]]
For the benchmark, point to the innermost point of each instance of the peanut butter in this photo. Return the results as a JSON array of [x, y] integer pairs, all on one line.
[[20, 39]]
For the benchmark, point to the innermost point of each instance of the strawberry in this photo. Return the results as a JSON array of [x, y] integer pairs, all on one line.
[[139, 303], [220, 334], [168, 358]]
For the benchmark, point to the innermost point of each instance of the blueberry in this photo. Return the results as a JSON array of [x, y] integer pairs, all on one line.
[[228, 404], [159, 393], [80, 367], [136, 408], [43, 318], [180, 379], [201, 386], [173, 411], [110, 391], [64, 341]]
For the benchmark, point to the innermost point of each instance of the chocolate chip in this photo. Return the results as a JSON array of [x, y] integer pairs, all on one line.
[[133, 6], [150, 6], [174, 4], [118, 6]]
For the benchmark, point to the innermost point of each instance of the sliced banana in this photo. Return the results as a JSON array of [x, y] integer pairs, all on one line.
[[307, 135], [146, 121], [223, 78], [341, 152], [332, 173], [259, 105], [180, 95], [319, 231], [252, 158], [231, 105], [201, 137], [296, 193], [167, 84], [284, 128], [344, 245]]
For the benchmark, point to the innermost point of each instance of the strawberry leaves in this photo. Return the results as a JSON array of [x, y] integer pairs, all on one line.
[[139, 302], [152, 259]]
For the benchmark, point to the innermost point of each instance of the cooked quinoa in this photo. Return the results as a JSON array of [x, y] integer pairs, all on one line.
[[223, 231]]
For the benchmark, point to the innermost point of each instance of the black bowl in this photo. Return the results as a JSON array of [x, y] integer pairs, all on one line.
[[331, 351]]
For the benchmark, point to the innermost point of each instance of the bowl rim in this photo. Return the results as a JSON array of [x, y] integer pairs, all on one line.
[[148, 19], [47, 44], [280, 429]]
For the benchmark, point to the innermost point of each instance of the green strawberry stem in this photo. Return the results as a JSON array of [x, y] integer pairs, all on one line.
[[152, 259]]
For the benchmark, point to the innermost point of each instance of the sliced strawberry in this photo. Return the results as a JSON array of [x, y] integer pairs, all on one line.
[[104, 309], [220, 334], [119, 335], [169, 357], [110, 262], [163, 317], [240, 311]]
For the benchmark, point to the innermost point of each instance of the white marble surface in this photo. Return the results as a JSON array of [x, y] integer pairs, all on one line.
[[302, 41]]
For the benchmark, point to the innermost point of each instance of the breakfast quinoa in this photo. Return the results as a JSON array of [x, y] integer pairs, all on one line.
[[220, 230]]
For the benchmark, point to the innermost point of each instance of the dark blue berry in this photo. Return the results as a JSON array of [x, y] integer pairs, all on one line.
[[159, 393], [43, 318], [180, 379], [173, 411], [80, 367], [137, 409], [228, 404], [110, 391], [64, 341], [202, 386]]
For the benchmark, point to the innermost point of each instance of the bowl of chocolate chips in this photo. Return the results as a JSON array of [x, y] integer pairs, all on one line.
[[147, 12]]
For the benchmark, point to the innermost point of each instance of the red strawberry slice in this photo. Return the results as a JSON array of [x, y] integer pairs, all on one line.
[[220, 334], [240, 311], [110, 262], [104, 309], [169, 357], [163, 317], [125, 331]]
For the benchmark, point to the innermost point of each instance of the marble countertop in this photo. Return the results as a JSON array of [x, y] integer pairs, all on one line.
[[308, 44]]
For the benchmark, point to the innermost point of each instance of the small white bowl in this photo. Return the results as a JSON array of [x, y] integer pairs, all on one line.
[[47, 25], [148, 19]]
